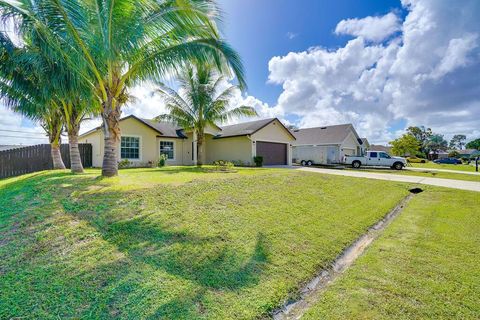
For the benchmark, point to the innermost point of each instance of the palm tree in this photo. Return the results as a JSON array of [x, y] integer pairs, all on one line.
[[115, 44], [56, 101], [201, 102]]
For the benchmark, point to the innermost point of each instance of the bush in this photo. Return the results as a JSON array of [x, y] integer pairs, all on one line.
[[222, 165], [124, 164], [258, 161], [162, 161], [238, 163], [453, 154]]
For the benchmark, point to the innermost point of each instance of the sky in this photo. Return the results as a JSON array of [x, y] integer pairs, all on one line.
[[381, 65]]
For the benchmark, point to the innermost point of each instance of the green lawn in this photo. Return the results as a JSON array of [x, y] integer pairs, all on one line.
[[427, 174], [174, 243], [425, 265], [457, 167]]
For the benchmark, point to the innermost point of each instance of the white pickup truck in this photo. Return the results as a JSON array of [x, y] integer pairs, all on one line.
[[377, 159]]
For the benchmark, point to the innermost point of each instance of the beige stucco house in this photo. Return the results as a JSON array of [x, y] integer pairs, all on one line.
[[143, 140]]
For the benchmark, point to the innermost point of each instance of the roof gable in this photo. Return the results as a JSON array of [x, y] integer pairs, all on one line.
[[248, 128], [324, 135]]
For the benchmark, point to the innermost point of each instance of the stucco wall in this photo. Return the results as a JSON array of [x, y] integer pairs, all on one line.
[[349, 146], [149, 144], [275, 132], [231, 149]]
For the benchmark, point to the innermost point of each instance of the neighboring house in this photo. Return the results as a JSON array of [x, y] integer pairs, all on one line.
[[468, 153], [326, 145], [437, 155], [365, 145], [143, 140], [379, 147]]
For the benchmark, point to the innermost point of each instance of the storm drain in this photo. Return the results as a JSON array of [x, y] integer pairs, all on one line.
[[310, 293]]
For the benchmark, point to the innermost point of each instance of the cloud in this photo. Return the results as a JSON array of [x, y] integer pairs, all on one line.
[[291, 35], [426, 75], [16, 130], [370, 28]]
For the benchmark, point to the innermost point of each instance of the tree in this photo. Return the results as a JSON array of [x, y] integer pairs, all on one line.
[[437, 143], [117, 44], [406, 144], [474, 144], [458, 141], [422, 135], [201, 101]]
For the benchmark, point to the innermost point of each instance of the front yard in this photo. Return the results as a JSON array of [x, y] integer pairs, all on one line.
[[457, 167], [175, 243], [425, 266]]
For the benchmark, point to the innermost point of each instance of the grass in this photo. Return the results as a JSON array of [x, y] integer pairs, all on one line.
[[425, 265], [426, 173], [456, 167], [174, 243]]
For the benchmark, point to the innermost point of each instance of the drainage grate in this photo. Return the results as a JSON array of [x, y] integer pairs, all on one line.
[[416, 190]]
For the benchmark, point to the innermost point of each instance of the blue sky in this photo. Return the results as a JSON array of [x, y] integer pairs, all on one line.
[[261, 29], [381, 65]]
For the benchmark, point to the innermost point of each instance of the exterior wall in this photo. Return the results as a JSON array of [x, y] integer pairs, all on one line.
[[274, 132], [231, 149], [149, 144], [96, 140], [349, 146]]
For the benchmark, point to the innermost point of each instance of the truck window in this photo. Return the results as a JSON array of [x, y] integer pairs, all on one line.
[[384, 155], [372, 154]]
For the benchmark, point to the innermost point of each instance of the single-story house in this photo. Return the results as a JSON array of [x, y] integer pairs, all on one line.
[[379, 147], [326, 145], [144, 140], [468, 153]]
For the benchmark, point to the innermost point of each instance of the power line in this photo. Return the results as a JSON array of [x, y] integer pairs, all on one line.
[[20, 131], [5, 136]]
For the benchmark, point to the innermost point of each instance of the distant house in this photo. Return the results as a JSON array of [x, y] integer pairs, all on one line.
[[326, 145], [144, 140], [379, 147], [365, 145], [468, 153]]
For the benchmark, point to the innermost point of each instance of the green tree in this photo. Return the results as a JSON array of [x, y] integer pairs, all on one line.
[[117, 44], [406, 144], [422, 135], [437, 143], [200, 102], [458, 141], [474, 144]]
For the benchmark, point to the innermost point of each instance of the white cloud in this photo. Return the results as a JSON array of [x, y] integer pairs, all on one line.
[[291, 35], [427, 75], [370, 28], [16, 130]]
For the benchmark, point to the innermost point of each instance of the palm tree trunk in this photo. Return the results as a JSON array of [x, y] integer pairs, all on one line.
[[200, 145], [56, 155], [75, 159], [112, 138]]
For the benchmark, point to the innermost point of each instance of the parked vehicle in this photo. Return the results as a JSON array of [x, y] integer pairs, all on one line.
[[377, 159], [448, 161], [413, 159]]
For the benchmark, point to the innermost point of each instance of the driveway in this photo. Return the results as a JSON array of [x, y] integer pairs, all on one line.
[[448, 183]]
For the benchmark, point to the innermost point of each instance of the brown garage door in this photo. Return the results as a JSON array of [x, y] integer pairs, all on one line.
[[272, 153]]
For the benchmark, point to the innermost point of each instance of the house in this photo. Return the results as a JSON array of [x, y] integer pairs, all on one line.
[[468, 153], [326, 145], [365, 145], [379, 147], [144, 140]]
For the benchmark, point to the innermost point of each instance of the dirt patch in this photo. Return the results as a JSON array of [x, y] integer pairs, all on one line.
[[310, 293]]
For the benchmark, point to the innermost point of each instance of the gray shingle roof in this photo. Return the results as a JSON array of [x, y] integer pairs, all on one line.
[[244, 128], [322, 135], [167, 129]]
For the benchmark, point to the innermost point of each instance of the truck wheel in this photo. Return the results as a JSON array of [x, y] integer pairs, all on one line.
[[398, 166], [309, 162], [356, 164], [303, 163]]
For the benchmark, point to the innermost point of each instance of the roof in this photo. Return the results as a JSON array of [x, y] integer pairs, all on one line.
[[378, 147], [247, 128], [324, 135], [365, 141], [467, 151], [170, 130]]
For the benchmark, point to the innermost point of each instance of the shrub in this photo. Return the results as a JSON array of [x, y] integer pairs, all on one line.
[[453, 154], [238, 163], [222, 165], [258, 161], [162, 161], [125, 163]]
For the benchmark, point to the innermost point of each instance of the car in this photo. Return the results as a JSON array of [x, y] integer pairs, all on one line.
[[448, 161], [376, 159], [413, 159]]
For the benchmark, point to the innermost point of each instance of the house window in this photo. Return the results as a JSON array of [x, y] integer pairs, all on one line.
[[167, 148], [130, 148]]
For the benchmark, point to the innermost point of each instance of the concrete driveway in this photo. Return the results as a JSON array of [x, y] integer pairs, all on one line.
[[448, 183]]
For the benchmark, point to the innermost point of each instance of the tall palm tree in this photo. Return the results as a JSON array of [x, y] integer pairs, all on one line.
[[59, 101], [201, 101], [121, 43]]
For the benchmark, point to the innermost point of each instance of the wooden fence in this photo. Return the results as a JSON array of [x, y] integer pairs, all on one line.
[[15, 162]]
